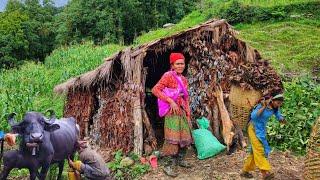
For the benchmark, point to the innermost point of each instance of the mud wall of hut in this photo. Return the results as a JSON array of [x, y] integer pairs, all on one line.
[[108, 122], [112, 124], [104, 112]]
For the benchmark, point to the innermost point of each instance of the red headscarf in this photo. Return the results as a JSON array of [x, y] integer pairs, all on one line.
[[175, 56]]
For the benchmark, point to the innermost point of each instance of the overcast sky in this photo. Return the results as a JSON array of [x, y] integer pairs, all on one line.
[[58, 3]]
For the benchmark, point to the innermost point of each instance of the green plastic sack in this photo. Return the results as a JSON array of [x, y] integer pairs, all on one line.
[[203, 123], [207, 145]]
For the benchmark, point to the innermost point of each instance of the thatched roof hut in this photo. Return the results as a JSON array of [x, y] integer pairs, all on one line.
[[113, 103]]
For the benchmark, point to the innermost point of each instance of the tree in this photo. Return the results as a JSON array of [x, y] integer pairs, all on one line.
[[116, 21], [31, 29], [26, 31], [13, 45]]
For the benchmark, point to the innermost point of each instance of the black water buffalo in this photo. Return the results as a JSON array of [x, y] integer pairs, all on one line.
[[44, 142]]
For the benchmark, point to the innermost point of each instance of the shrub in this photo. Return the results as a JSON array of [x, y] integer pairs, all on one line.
[[301, 109], [237, 12], [130, 172]]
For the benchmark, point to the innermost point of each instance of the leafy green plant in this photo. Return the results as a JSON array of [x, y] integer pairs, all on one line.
[[130, 172], [301, 109], [19, 173]]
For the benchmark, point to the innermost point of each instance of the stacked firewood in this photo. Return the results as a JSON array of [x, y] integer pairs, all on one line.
[[209, 68]]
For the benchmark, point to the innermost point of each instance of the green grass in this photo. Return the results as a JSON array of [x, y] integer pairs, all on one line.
[[193, 19], [30, 87], [52, 172], [292, 46], [271, 3], [213, 8], [260, 3]]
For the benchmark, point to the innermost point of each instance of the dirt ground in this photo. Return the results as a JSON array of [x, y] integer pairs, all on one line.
[[227, 167], [285, 165]]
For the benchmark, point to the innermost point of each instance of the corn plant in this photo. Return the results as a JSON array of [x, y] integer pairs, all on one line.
[[30, 87]]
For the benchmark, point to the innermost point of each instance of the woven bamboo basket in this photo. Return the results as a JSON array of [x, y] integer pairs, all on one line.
[[241, 102], [312, 161]]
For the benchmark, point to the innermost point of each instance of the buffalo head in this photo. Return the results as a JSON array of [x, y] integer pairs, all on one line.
[[33, 126]]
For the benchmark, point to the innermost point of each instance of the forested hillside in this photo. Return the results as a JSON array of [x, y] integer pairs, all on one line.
[[30, 30]]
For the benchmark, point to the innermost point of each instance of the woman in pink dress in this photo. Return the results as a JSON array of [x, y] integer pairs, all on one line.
[[177, 120]]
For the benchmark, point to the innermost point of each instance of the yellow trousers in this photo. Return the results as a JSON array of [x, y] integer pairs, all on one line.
[[257, 156]]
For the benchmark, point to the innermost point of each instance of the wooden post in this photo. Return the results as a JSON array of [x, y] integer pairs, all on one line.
[[133, 75], [86, 128], [137, 108], [138, 134]]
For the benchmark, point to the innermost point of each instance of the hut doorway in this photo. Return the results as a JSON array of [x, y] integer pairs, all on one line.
[[157, 65]]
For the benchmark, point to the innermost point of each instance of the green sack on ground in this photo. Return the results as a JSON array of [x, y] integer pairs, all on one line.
[[207, 145]]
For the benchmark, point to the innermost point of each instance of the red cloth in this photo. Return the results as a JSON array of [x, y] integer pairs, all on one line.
[[175, 56]]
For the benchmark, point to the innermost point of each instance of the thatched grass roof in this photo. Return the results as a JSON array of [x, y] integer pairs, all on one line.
[[87, 79], [102, 73]]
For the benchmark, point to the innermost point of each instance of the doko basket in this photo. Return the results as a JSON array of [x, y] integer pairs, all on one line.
[[312, 160], [241, 102], [239, 115]]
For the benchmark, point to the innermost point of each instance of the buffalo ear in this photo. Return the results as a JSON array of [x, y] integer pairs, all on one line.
[[52, 127], [11, 119], [52, 114], [15, 127]]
